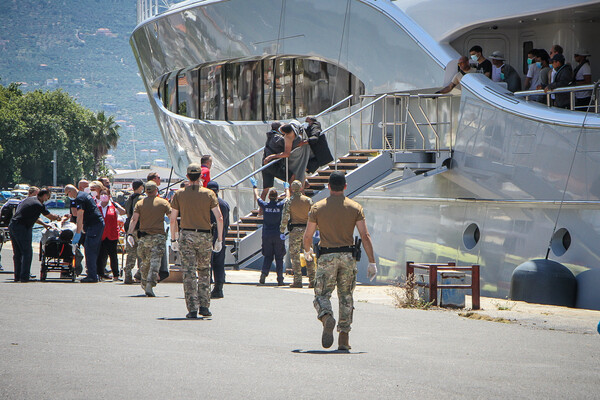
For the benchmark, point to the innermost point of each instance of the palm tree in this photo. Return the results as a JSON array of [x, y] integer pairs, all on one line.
[[104, 137]]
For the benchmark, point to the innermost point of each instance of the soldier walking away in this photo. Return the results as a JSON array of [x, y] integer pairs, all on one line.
[[273, 242], [294, 218], [151, 213], [194, 204], [131, 251], [336, 217], [217, 259]]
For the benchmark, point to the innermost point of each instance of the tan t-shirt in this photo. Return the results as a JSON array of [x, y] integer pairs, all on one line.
[[299, 208], [152, 211], [458, 77], [194, 204], [336, 217]]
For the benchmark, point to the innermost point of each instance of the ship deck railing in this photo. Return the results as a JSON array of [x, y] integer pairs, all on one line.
[[571, 90]]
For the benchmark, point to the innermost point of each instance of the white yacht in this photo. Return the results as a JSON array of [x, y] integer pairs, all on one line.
[[477, 176]]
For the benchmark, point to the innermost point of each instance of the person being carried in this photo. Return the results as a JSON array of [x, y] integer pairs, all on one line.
[[295, 151]]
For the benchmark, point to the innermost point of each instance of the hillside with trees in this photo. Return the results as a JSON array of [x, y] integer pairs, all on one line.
[[82, 47], [35, 124]]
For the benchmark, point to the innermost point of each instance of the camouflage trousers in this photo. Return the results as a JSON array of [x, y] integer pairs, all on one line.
[[296, 248], [336, 269], [131, 253], [195, 249], [150, 250]]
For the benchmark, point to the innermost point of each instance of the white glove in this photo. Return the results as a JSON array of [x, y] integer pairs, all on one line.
[[308, 255], [130, 240], [371, 271], [174, 245], [218, 246]]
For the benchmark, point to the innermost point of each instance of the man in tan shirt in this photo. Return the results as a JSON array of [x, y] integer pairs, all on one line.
[[336, 217], [151, 213], [193, 204], [294, 217]]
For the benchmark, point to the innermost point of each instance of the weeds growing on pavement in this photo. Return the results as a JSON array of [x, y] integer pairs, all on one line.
[[405, 294], [504, 306], [474, 315]]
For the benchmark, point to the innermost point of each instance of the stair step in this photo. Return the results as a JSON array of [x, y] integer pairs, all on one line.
[[358, 159], [318, 178], [251, 219], [233, 234], [364, 152], [244, 226], [343, 165]]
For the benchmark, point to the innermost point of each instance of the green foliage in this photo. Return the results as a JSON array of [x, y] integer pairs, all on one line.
[[34, 124]]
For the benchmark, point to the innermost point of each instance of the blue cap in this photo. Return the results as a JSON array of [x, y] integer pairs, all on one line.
[[213, 185]]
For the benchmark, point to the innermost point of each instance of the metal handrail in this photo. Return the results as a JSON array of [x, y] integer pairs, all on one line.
[[237, 163], [262, 148], [571, 90], [324, 131], [565, 89]]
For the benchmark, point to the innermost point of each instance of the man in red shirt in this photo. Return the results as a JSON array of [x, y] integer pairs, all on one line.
[[206, 163]]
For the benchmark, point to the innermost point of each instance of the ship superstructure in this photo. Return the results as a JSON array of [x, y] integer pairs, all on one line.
[[481, 176]]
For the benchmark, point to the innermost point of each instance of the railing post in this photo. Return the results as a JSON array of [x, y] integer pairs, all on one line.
[[239, 220], [433, 284], [475, 289]]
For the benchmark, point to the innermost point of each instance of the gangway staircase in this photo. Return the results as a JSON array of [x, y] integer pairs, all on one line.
[[364, 169]]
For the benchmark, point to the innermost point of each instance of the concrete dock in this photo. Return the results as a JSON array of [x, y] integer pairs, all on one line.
[[63, 340]]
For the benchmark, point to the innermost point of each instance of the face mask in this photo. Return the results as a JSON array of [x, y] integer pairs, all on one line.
[[71, 198], [93, 193], [539, 64], [104, 197], [529, 61], [502, 75], [474, 58], [87, 190]]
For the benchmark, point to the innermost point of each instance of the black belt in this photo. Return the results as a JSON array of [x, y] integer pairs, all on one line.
[[196, 230], [297, 226], [329, 250]]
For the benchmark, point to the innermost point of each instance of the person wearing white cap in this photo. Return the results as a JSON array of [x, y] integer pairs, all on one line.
[[497, 59], [582, 75]]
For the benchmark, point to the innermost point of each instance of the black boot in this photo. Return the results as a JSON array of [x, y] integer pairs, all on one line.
[[217, 292], [263, 276]]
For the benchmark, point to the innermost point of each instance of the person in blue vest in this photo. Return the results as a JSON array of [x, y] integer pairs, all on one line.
[[273, 241]]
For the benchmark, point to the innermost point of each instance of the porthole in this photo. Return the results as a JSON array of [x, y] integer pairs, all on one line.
[[471, 236], [561, 241]]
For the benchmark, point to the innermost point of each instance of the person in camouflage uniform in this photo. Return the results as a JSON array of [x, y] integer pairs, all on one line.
[[294, 217], [131, 251], [150, 212], [193, 204], [336, 217]]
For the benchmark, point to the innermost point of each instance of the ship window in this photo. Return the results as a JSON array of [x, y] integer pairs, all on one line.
[[171, 93], [561, 241], [187, 93], [471, 236], [212, 93], [258, 90], [244, 97], [284, 84]]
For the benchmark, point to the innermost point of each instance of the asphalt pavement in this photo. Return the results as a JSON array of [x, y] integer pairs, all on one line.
[[63, 340]]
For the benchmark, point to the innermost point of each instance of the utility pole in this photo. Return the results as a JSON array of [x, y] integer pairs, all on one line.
[[54, 170]]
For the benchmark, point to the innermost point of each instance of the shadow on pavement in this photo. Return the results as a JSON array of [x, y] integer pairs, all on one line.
[[184, 319], [144, 296], [299, 351]]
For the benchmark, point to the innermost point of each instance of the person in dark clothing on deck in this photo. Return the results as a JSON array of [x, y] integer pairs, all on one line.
[[217, 260], [562, 78], [273, 242], [21, 229], [89, 219]]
